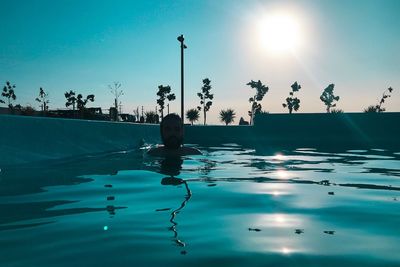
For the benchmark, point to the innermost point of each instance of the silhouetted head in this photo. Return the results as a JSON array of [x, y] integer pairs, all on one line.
[[171, 130]]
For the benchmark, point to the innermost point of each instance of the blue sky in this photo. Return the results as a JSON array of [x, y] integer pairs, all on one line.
[[87, 45]]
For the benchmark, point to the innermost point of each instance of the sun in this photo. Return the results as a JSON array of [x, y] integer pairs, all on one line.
[[279, 33]]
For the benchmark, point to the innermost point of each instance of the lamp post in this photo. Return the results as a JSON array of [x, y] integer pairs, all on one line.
[[183, 46]]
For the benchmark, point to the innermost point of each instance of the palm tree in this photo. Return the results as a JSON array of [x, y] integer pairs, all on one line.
[[227, 116], [192, 115]]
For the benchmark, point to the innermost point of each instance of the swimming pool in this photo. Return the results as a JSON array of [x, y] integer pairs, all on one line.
[[234, 205]]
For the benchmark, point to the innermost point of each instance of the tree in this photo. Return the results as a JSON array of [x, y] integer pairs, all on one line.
[[255, 105], [205, 98], [71, 99], [370, 109], [328, 97], [151, 117], [227, 116], [192, 115], [164, 92], [292, 103], [27, 111], [9, 93], [77, 101], [81, 101], [114, 89], [336, 110], [379, 108], [43, 99]]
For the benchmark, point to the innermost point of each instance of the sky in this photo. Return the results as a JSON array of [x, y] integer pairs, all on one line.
[[87, 45]]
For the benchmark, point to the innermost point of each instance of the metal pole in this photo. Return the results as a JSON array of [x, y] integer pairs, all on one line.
[[181, 39], [182, 83]]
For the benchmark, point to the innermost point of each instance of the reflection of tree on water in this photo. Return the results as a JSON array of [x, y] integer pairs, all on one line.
[[171, 166]]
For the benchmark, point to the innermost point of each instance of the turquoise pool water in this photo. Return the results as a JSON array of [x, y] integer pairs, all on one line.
[[234, 205]]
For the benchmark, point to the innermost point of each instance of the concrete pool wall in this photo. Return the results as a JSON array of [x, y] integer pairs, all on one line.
[[28, 139], [372, 130]]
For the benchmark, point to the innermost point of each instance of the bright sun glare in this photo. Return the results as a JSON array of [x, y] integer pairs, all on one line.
[[280, 33]]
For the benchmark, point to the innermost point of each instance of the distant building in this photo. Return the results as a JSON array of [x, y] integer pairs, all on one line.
[[94, 113], [87, 113], [127, 117], [113, 114], [4, 111]]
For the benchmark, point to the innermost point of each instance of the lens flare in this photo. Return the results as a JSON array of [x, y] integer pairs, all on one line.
[[280, 33]]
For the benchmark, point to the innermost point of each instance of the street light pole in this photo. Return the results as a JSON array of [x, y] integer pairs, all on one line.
[[183, 46]]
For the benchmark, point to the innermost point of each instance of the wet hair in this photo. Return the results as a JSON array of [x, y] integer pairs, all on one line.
[[170, 117]]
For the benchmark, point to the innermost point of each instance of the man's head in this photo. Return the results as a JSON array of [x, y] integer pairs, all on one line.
[[171, 130]]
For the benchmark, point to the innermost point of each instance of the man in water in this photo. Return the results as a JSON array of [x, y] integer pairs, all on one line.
[[171, 130]]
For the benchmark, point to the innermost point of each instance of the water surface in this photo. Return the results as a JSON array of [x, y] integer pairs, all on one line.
[[233, 205]]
